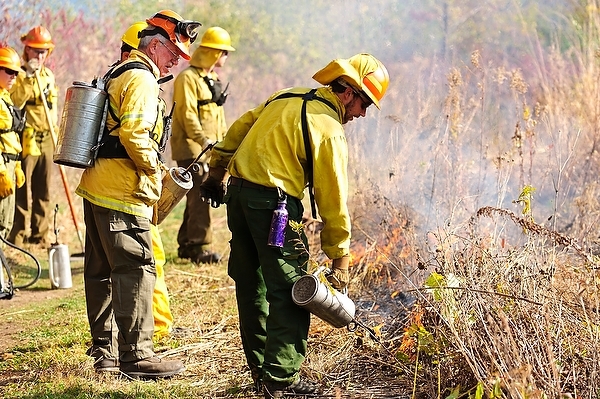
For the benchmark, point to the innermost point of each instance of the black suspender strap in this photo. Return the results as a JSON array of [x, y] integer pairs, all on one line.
[[311, 95], [307, 147]]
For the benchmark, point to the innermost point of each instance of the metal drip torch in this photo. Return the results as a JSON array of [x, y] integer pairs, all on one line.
[[175, 185]]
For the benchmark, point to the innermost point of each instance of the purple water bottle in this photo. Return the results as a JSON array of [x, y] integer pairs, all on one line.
[[278, 223]]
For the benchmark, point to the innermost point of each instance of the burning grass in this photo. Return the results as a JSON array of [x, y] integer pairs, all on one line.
[[512, 320]]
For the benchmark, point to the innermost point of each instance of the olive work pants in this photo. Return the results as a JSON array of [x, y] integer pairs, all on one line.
[[274, 330], [195, 234], [7, 205], [119, 278], [34, 196]]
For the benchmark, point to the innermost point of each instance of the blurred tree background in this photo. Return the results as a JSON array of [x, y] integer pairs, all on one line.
[[478, 88], [282, 43]]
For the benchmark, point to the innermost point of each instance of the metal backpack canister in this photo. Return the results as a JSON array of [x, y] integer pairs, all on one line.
[[328, 304], [83, 119]]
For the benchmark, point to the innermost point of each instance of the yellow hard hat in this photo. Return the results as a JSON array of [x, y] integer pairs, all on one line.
[[375, 77], [10, 59], [38, 37], [131, 35], [217, 38], [180, 32], [362, 71]]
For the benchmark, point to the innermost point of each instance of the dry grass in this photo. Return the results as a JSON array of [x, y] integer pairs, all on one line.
[[519, 318], [512, 311], [48, 359]]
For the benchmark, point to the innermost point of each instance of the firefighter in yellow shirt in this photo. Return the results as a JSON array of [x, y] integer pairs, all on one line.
[[199, 120], [163, 318], [272, 152], [119, 193], [11, 123], [38, 146]]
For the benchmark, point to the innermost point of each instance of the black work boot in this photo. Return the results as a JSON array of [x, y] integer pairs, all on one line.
[[278, 390], [206, 257], [151, 368], [198, 254]]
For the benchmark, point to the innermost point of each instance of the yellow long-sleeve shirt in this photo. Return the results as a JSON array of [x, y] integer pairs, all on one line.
[[26, 93], [194, 124], [9, 140], [265, 146], [131, 185]]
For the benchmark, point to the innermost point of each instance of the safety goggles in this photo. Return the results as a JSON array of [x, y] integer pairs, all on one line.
[[184, 30], [9, 71]]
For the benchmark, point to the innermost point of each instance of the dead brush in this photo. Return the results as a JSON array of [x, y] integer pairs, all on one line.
[[512, 320]]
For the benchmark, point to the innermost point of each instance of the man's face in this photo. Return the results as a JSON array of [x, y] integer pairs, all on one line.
[[38, 53], [7, 77], [164, 55], [222, 58], [356, 105]]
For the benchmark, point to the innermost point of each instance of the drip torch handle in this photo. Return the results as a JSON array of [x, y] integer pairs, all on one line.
[[208, 147]]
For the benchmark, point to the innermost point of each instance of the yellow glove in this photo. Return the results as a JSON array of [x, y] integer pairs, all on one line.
[[339, 277], [6, 183], [19, 175]]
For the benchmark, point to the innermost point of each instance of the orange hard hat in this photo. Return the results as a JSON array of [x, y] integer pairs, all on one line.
[[180, 32], [10, 59], [38, 37]]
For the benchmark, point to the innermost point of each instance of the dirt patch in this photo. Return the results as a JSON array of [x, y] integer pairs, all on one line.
[[21, 303]]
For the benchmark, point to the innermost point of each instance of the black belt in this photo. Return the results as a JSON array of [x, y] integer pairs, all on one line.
[[11, 157], [238, 181]]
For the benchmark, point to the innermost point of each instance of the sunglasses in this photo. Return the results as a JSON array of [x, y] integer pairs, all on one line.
[[225, 52], [38, 50], [365, 101], [10, 71]]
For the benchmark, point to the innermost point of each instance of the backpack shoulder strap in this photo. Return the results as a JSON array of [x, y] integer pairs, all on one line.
[[119, 70], [110, 146]]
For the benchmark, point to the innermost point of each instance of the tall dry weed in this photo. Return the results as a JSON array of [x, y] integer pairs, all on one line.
[[512, 309]]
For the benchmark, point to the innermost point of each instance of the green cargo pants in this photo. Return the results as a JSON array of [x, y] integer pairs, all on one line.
[[119, 276], [274, 330]]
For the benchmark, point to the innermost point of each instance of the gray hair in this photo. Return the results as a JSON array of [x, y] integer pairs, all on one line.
[[150, 33]]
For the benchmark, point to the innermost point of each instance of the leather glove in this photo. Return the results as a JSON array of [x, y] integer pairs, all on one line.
[[19, 175], [212, 189], [6, 183], [339, 276], [31, 66]]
